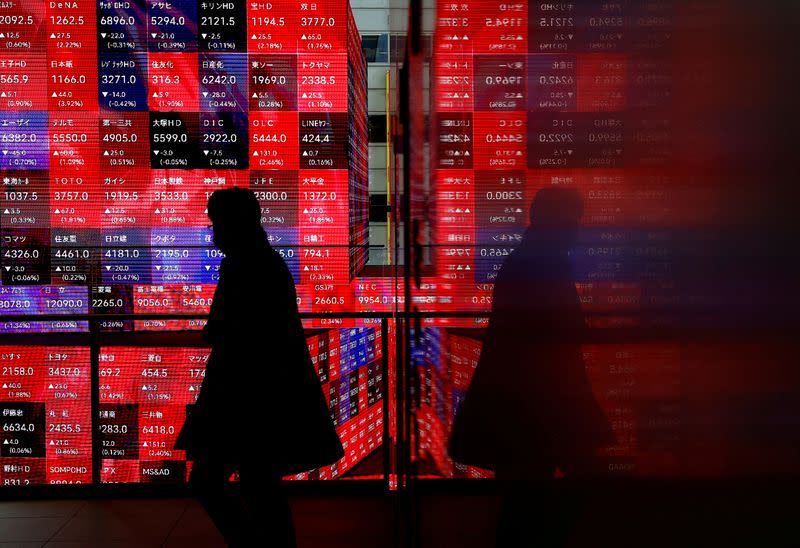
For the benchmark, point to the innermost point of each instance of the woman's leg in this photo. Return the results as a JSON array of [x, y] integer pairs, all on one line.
[[268, 504], [209, 481]]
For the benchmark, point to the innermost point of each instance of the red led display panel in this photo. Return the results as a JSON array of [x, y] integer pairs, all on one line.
[[145, 393], [120, 119], [45, 410]]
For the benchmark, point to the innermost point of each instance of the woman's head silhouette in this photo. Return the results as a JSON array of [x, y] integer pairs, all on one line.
[[555, 217], [236, 218]]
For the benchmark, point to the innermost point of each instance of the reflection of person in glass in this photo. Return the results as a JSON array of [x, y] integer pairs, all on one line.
[[260, 411], [530, 412]]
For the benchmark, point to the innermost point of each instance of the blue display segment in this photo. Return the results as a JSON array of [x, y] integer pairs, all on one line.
[[495, 245], [344, 398], [280, 237], [180, 256], [126, 257], [123, 81], [224, 138], [19, 300], [622, 255], [223, 82], [176, 265], [64, 299], [121, 25], [113, 299], [25, 140], [283, 236], [355, 349], [172, 25], [46, 299]]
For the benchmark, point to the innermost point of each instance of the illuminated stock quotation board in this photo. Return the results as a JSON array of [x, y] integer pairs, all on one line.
[[120, 118], [533, 95], [145, 392], [144, 396]]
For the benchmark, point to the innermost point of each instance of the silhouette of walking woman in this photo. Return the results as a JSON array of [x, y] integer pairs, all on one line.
[[260, 411], [529, 410]]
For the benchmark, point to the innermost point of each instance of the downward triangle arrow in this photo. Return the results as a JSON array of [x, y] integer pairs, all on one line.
[[204, 35], [102, 34], [105, 94], [205, 152], [8, 268], [158, 267], [205, 94], [156, 152], [153, 34], [208, 267], [5, 152], [108, 268]]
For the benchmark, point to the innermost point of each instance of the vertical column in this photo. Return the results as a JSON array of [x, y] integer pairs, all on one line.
[[500, 133], [174, 190], [74, 182], [274, 136], [323, 208], [145, 394], [452, 151], [45, 410], [24, 216], [125, 148]]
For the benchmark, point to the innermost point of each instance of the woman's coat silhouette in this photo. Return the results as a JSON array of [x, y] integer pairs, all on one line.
[[261, 410]]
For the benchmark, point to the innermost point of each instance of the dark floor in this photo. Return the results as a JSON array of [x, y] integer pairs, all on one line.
[[332, 522], [652, 518]]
